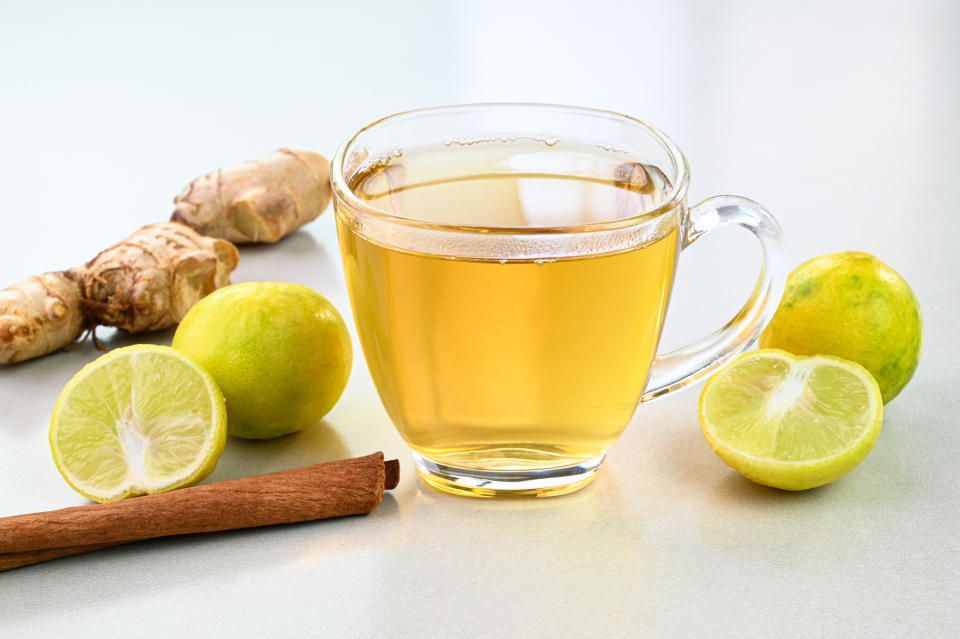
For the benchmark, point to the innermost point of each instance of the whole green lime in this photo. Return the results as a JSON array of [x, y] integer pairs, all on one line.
[[851, 305], [280, 353]]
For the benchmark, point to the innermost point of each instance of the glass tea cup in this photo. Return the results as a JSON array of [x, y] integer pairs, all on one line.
[[509, 268]]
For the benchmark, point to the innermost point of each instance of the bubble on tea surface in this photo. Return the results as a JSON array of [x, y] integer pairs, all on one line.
[[610, 148], [478, 139]]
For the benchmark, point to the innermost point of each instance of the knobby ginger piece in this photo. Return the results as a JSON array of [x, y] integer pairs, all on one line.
[[40, 315], [259, 201], [151, 279]]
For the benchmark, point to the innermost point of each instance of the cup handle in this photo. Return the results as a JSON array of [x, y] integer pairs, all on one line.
[[688, 364]]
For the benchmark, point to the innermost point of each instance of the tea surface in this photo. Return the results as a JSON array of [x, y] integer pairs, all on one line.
[[520, 184]]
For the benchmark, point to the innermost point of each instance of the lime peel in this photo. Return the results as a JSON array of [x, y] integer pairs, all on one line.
[[280, 352], [851, 305]]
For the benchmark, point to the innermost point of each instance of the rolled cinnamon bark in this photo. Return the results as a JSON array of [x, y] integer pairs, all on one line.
[[11, 560], [334, 489]]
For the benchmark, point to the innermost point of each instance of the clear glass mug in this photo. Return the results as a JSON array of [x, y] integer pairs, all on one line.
[[510, 356]]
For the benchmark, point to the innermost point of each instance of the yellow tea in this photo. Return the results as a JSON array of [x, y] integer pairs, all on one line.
[[502, 363]]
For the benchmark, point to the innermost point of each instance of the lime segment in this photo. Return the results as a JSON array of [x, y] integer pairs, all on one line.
[[139, 420], [791, 422]]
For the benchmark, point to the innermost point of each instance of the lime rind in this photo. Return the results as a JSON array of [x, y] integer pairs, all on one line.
[[139, 420], [281, 353], [791, 422], [851, 305]]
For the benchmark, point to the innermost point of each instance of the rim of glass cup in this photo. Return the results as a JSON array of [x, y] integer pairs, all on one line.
[[357, 205]]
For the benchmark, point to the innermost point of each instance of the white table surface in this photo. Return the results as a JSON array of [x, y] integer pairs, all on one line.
[[840, 117]]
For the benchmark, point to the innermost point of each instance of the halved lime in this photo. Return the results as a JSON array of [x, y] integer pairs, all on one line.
[[138, 420], [791, 422]]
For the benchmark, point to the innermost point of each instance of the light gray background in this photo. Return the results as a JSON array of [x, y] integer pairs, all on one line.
[[841, 117]]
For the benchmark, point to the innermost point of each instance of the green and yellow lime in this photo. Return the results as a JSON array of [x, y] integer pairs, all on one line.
[[280, 353], [791, 422], [139, 420], [851, 305]]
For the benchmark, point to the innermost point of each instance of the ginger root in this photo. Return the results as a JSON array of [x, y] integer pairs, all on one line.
[[38, 316], [260, 201], [151, 279], [146, 282]]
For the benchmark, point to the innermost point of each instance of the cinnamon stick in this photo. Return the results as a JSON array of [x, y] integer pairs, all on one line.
[[11, 560], [333, 489]]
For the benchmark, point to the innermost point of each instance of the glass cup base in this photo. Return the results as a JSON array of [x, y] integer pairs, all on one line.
[[499, 484]]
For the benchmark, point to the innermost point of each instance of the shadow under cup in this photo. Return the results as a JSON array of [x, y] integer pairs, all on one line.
[[509, 268]]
